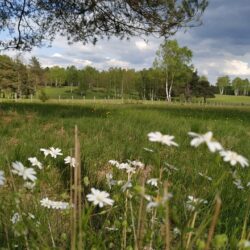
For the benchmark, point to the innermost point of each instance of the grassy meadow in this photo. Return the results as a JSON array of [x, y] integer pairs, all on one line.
[[119, 132]]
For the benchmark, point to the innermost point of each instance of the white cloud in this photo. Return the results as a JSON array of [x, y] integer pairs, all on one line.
[[81, 62], [57, 55], [117, 63], [142, 45], [236, 67]]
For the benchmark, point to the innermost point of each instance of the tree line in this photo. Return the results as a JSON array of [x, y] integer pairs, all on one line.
[[237, 86], [171, 75]]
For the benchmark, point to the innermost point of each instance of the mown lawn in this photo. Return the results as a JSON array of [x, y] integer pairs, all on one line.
[[231, 99], [120, 132]]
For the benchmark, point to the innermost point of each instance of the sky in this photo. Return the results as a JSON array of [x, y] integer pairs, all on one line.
[[221, 45]]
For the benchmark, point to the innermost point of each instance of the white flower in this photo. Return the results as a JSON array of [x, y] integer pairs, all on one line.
[[70, 160], [126, 186], [114, 163], [153, 182], [238, 184], [45, 151], [15, 218], [205, 176], [26, 173], [158, 201], [163, 139], [149, 150], [31, 216], [45, 202], [193, 202], [137, 164], [244, 244], [99, 198], [54, 152], [177, 231], [2, 178], [35, 163], [152, 204], [234, 158], [111, 228], [109, 178], [130, 170], [123, 166], [29, 185], [213, 146]]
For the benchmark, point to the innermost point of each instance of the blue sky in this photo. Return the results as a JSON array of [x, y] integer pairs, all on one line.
[[220, 46]]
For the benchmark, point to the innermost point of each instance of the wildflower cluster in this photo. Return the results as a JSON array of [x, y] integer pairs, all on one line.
[[152, 192], [45, 202]]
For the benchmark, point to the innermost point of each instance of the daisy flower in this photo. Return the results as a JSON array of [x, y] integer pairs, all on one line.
[[207, 138], [156, 202], [54, 152], [26, 173], [29, 185], [110, 181], [238, 184], [15, 218], [205, 176], [45, 151], [137, 164], [99, 198], [35, 163], [163, 139], [233, 158], [153, 182], [70, 160], [59, 205], [193, 202], [149, 150], [2, 178], [126, 186], [114, 163]]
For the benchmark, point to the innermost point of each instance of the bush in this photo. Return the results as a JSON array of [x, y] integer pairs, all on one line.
[[43, 96]]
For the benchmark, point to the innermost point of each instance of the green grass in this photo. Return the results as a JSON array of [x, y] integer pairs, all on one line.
[[112, 131], [229, 99], [67, 92]]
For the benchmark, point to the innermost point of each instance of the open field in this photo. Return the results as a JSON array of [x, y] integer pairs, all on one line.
[[111, 131], [231, 99], [67, 92]]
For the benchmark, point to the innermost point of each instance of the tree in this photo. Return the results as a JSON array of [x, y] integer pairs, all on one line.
[[173, 61], [246, 86], [190, 86], [222, 82], [31, 22], [56, 76], [203, 89], [8, 76], [237, 85], [36, 72]]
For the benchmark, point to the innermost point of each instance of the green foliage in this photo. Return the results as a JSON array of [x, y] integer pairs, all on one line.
[[174, 62], [222, 82], [93, 18], [43, 96]]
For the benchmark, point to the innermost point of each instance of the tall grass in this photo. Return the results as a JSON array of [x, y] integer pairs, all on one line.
[[119, 132]]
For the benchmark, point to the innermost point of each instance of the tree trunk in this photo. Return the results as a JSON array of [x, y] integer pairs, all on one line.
[[168, 89]]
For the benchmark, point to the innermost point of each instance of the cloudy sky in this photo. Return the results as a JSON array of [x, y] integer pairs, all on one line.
[[220, 46]]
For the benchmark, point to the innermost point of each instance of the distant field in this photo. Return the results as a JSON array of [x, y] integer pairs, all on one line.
[[67, 92], [231, 99]]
